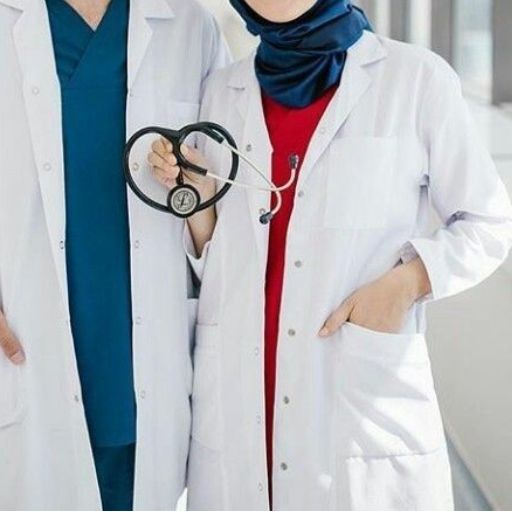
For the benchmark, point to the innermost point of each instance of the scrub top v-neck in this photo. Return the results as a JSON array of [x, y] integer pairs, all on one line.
[[92, 71]]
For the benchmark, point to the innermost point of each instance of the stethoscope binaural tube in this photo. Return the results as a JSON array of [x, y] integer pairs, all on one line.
[[184, 200], [293, 162]]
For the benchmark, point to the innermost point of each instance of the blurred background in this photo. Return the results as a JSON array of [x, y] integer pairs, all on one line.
[[470, 336]]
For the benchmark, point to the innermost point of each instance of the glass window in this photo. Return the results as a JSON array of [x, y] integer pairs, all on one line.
[[473, 46], [382, 17], [420, 22]]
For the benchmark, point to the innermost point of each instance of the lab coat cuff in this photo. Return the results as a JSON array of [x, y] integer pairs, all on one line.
[[416, 249], [197, 263]]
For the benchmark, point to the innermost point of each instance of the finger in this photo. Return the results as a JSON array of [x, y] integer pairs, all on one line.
[[192, 155], [170, 158], [159, 147], [11, 347], [157, 161], [165, 151], [166, 178], [167, 145], [337, 319]]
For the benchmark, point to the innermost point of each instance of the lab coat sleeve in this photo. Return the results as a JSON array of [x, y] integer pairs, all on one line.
[[465, 190]]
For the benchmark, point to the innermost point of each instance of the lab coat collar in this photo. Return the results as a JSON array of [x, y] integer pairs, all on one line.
[[15, 4], [141, 32], [155, 9]]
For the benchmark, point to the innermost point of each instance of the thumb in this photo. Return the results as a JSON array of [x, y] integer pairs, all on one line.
[[9, 344], [192, 155], [337, 318]]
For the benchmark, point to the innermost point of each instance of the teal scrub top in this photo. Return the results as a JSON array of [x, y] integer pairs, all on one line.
[[92, 69]]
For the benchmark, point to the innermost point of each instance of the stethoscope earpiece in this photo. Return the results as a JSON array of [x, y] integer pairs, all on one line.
[[266, 218]]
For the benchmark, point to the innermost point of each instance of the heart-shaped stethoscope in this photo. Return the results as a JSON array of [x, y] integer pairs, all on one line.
[[184, 200]]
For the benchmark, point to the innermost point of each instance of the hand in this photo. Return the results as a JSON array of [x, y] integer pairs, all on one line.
[[9, 344], [166, 169], [383, 304]]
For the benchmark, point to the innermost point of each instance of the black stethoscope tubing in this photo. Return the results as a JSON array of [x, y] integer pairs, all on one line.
[[177, 138]]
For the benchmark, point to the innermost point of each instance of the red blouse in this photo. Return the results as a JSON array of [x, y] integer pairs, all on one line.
[[291, 131]]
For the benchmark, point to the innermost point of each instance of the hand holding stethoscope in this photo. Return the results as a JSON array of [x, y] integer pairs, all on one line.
[[167, 171], [178, 166]]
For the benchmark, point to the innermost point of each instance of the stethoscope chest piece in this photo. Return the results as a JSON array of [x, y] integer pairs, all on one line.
[[183, 201]]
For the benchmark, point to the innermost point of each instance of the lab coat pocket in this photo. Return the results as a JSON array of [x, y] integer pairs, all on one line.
[[12, 401], [181, 114], [206, 388], [359, 183], [386, 398]]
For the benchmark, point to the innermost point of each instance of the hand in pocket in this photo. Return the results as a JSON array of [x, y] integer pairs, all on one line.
[[382, 305]]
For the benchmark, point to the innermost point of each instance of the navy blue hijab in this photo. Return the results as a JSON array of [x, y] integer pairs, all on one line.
[[299, 60]]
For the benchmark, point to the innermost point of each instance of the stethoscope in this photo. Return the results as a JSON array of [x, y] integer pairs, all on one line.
[[184, 200]]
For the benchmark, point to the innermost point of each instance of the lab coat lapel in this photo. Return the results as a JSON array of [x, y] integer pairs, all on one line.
[[355, 82], [41, 90], [256, 145], [140, 31]]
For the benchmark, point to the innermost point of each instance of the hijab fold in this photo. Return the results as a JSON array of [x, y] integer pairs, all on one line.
[[299, 60]]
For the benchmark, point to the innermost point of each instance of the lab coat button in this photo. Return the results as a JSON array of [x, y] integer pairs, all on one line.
[[47, 166], [76, 398], [256, 351], [286, 400], [136, 244], [284, 466], [292, 332], [298, 264], [135, 167], [258, 419], [62, 244], [248, 148], [138, 320], [35, 91], [143, 394], [323, 130], [262, 211], [260, 487], [301, 193]]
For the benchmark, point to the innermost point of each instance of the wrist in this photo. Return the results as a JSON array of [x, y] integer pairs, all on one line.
[[206, 189], [415, 279], [201, 226]]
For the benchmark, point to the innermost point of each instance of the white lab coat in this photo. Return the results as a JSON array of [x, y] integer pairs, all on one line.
[[45, 456], [360, 427]]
